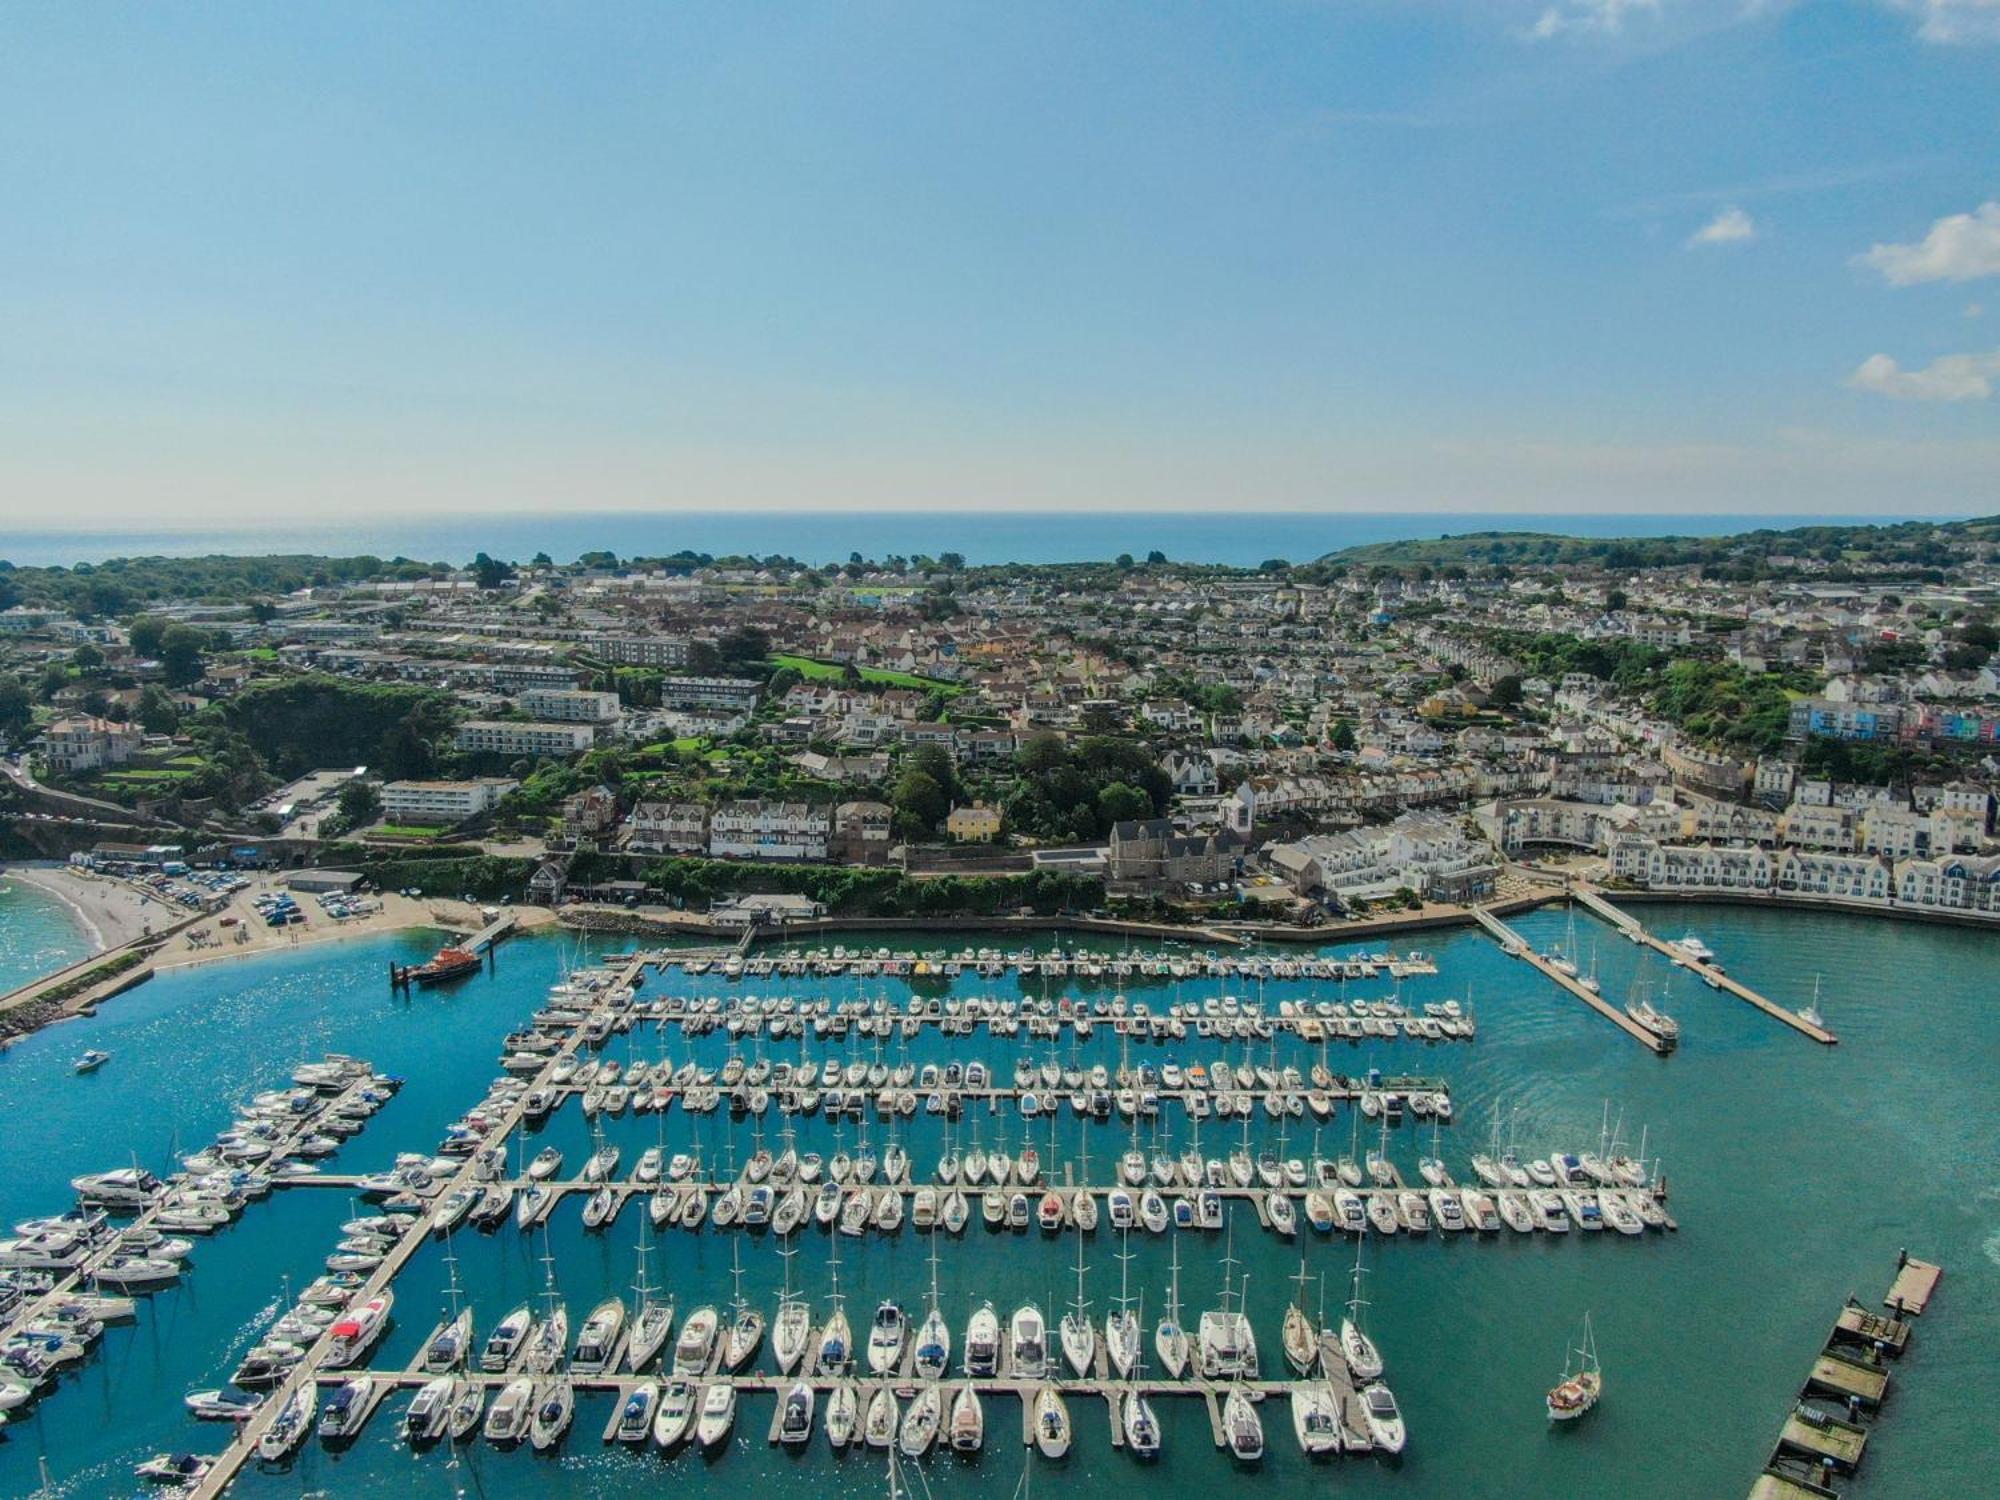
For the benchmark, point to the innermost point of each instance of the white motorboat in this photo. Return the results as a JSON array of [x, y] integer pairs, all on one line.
[[982, 1343], [597, 1342], [795, 1422], [182, 1470], [1028, 1344], [697, 1342], [676, 1413], [429, 1411], [504, 1343], [1385, 1422], [718, 1414], [968, 1420], [507, 1420], [635, 1415]]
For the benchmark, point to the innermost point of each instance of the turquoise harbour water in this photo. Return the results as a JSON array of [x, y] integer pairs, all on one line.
[[38, 933], [1796, 1174]]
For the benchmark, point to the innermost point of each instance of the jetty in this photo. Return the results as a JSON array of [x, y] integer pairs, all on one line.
[[1708, 973], [244, 1447], [92, 1272], [1825, 1435], [1513, 943]]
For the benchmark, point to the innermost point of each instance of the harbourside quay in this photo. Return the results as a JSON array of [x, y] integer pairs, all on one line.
[[1775, 1156]]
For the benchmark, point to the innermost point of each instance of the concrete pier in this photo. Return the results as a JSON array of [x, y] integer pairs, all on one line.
[[1519, 946], [1710, 975]]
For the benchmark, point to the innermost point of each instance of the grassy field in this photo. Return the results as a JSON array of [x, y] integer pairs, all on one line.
[[826, 671], [407, 831]]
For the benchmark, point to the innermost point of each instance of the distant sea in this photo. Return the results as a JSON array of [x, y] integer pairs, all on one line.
[[1243, 538]]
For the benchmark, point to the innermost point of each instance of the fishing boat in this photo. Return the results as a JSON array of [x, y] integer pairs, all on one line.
[[1582, 1379]]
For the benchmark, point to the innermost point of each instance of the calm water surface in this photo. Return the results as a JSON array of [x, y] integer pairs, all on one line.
[[38, 933], [1796, 1173]]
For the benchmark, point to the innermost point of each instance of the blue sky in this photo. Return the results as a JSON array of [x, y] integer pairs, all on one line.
[[1556, 255]]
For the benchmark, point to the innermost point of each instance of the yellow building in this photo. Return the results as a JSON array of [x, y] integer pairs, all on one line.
[[972, 825]]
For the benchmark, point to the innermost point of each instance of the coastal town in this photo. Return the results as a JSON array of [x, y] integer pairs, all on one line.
[[903, 809], [1784, 718]]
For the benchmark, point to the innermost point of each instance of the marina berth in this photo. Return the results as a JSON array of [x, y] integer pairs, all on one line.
[[751, 1072]]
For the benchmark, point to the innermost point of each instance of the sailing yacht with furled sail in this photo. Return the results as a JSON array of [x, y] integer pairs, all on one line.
[[1582, 1379]]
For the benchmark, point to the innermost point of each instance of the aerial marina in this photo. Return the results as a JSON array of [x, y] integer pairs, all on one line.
[[690, 1212]]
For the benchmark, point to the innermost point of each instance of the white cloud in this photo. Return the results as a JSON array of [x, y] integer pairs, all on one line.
[[1959, 247], [1588, 16], [1951, 377], [1730, 227], [1954, 22]]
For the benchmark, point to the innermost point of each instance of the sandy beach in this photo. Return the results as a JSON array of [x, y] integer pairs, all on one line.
[[110, 911], [115, 913], [208, 941]]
